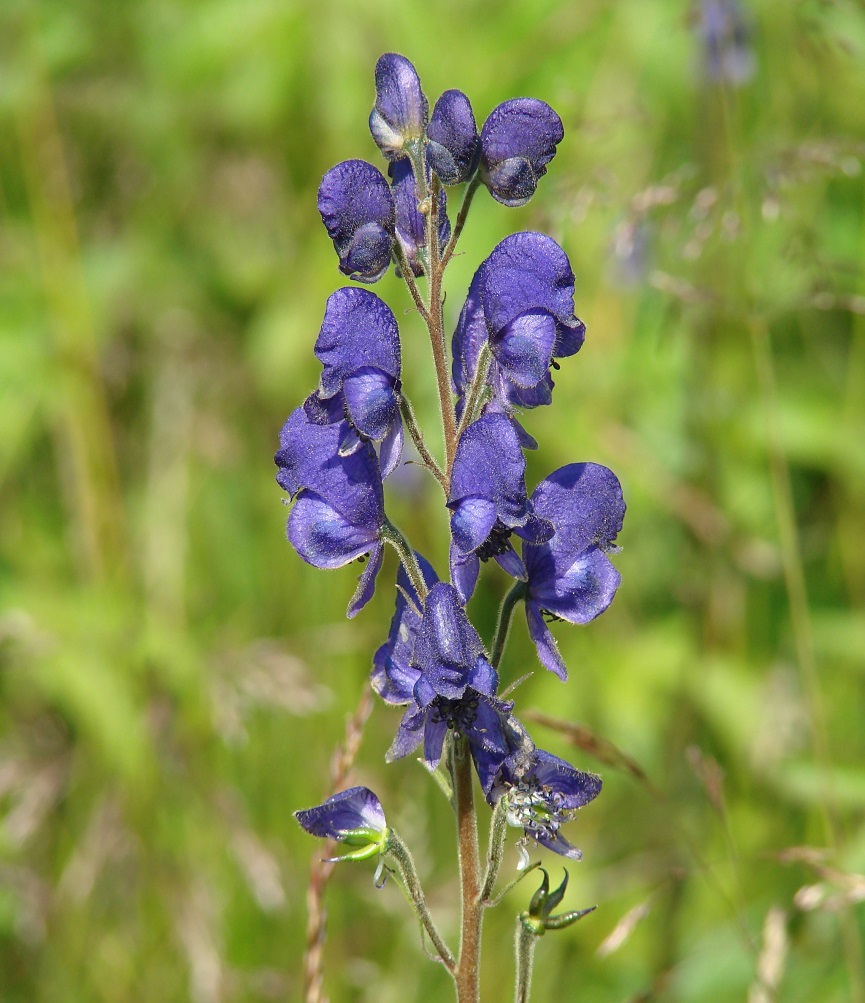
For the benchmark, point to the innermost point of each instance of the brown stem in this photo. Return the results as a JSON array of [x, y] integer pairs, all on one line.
[[468, 966]]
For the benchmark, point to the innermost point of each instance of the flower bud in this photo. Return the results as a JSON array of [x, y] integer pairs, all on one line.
[[401, 110], [454, 148]]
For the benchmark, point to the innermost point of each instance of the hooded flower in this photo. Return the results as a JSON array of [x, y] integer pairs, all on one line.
[[401, 110], [393, 676], [488, 502], [521, 301], [354, 817], [455, 687], [338, 510], [356, 206], [454, 150], [358, 345], [518, 140], [570, 576], [543, 794], [409, 222]]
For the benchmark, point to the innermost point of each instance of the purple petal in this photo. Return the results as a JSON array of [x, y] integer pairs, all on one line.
[[447, 645], [391, 447], [518, 140], [433, 740], [489, 463], [472, 519], [580, 591], [470, 336], [453, 151], [524, 347], [323, 537], [575, 787], [356, 207], [548, 650], [464, 569], [409, 734], [358, 330], [366, 581], [524, 272], [509, 560], [309, 457], [558, 844], [401, 110], [371, 400], [356, 808], [584, 501]]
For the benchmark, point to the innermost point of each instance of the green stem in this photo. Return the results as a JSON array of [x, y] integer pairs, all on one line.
[[495, 849], [390, 534], [506, 612], [468, 966], [408, 278], [474, 184], [476, 390], [428, 200], [525, 939], [414, 431], [400, 853]]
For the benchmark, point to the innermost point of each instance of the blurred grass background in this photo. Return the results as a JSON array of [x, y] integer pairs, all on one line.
[[175, 680]]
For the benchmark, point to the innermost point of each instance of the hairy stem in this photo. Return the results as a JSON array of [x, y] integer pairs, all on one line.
[[414, 431], [506, 612], [495, 849], [400, 852], [390, 534], [476, 391], [468, 967], [428, 202], [524, 950]]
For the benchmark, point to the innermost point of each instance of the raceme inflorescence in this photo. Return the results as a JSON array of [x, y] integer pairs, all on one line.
[[338, 448]]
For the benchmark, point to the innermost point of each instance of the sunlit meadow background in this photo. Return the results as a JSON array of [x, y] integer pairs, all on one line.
[[175, 680]]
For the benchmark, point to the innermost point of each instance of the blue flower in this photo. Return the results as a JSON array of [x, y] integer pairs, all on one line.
[[488, 502], [455, 687], [400, 114], [393, 676], [543, 794], [518, 140], [453, 150], [354, 817], [338, 512], [521, 301], [409, 221], [356, 206], [726, 41], [358, 345], [570, 576]]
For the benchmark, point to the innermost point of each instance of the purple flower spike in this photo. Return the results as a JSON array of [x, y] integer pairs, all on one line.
[[393, 676], [409, 222], [454, 149], [401, 110], [354, 817], [518, 140], [543, 796], [357, 208], [570, 577], [339, 508], [455, 687], [358, 345], [488, 502]]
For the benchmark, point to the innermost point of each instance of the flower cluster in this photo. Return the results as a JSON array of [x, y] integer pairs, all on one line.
[[340, 445]]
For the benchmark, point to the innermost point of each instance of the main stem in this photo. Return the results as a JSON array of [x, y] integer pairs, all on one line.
[[468, 966]]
